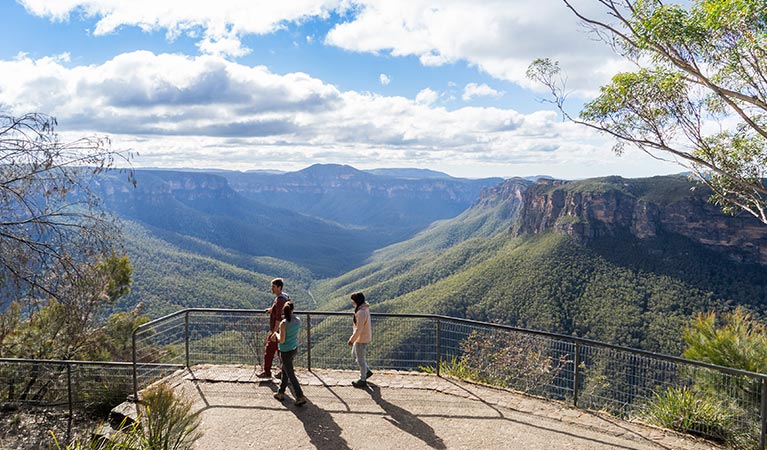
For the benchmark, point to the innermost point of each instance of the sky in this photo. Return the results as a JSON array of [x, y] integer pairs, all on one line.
[[281, 85]]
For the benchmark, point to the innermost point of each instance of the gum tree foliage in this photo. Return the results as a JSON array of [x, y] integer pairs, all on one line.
[[72, 325], [50, 217], [698, 95]]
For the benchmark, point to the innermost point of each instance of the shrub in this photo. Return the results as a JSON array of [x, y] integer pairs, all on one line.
[[685, 410], [166, 422]]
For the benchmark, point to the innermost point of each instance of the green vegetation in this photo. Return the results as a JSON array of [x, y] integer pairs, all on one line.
[[166, 422], [697, 95], [710, 407], [168, 277], [737, 340], [69, 326], [506, 359], [619, 289], [685, 410]]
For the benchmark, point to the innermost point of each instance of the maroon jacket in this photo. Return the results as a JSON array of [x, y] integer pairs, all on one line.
[[275, 317]]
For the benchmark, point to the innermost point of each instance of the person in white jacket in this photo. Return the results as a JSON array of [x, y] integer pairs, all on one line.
[[361, 337]]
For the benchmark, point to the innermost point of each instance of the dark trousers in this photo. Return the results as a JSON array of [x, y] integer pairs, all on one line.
[[269, 350], [289, 373]]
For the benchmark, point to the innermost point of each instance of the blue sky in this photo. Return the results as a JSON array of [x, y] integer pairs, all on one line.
[[243, 84]]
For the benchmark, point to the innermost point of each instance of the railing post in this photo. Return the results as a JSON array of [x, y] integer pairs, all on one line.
[[439, 352], [186, 338], [309, 342], [576, 373], [135, 377], [763, 428], [69, 400]]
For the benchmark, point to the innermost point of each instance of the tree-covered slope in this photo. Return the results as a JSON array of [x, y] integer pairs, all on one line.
[[621, 285], [189, 207], [167, 278]]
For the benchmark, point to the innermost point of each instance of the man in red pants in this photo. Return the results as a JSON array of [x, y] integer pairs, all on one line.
[[275, 316]]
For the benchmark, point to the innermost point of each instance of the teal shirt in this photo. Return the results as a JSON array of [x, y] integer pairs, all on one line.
[[291, 334]]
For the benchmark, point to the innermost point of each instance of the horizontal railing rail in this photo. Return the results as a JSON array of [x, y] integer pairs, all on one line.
[[573, 339]]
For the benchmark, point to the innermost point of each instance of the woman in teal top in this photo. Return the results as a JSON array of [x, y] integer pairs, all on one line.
[[287, 338]]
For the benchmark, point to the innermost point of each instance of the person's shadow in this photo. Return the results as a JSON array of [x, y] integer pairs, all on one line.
[[405, 420], [324, 433]]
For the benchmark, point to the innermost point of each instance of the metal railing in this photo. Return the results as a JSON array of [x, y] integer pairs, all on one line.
[[68, 387], [586, 373], [74, 385]]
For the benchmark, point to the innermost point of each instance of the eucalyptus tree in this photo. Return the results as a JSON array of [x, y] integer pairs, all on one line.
[[698, 95], [51, 220]]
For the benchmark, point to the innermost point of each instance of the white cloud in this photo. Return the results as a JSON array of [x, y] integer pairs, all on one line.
[[207, 111], [473, 90], [500, 37], [426, 97], [222, 46], [222, 22]]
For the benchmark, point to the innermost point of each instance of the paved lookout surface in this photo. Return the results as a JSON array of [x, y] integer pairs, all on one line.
[[398, 410]]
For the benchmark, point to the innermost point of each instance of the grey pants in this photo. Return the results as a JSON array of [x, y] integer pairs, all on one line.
[[358, 351]]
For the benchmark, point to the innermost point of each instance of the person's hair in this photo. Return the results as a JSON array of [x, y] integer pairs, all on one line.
[[358, 298], [278, 282], [287, 311]]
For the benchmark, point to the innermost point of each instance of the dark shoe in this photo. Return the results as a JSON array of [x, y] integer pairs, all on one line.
[[279, 396], [369, 374], [360, 384], [300, 400], [264, 375]]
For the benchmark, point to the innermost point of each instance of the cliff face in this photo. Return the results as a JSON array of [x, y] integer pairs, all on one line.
[[156, 188], [588, 211], [329, 179]]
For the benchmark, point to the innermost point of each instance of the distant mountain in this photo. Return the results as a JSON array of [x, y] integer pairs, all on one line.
[[388, 207], [413, 174], [183, 206], [623, 261]]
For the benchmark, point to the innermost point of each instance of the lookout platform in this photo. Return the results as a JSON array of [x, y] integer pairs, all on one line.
[[398, 410]]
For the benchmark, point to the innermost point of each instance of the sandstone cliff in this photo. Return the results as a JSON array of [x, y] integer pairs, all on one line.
[[646, 208]]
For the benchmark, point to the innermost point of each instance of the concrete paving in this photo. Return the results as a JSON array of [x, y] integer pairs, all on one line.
[[399, 410]]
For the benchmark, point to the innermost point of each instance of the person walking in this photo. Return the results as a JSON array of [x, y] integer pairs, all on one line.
[[275, 315], [287, 338], [361, 337]]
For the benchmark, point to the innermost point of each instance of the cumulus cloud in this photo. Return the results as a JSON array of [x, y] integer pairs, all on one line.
[[426, 97], [176, 110], [222, 23], [208, 111], [500, 37], [473, 90]]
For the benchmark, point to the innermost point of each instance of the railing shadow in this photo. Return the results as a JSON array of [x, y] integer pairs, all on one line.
[[616, 423]]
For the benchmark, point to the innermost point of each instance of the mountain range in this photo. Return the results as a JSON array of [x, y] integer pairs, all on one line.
[[627, 261]]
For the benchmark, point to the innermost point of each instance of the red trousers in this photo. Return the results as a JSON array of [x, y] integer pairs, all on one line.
[[270, 349]]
